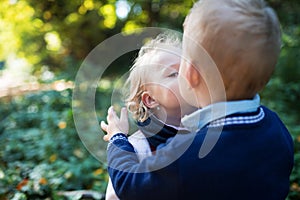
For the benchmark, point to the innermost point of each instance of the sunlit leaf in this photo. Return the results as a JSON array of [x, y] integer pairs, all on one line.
[[53, 41], [109, 14], [130, 27]]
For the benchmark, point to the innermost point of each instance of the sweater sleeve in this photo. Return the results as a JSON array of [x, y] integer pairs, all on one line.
[[141, 180]]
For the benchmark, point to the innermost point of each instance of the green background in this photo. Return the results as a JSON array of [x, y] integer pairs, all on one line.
[[41, 153]]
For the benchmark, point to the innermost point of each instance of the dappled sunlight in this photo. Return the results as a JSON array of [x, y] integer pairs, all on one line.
[[130, 28], [16, 72], [16, 79], [123, 9], [53, 41], [32, 87], [42, 47], [71, 18], [109, 13]]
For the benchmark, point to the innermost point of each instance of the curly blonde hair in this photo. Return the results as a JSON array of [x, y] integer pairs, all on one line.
[[139, 73]]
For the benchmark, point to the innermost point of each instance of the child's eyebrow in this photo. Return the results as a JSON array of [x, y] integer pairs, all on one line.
[[176, 66], [170, 68]]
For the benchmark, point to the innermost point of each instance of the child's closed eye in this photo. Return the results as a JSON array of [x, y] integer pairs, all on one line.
[[173, 74]]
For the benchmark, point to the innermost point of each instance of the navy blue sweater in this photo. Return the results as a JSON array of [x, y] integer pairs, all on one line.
[[157, 133], [251, 160]]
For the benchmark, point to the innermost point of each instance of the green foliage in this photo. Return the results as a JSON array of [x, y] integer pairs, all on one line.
[[40, 150], [282, 95], [282, 98], [51, 33], [39, 147]]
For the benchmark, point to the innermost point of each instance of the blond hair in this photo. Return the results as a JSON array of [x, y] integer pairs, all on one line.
[[141, 70], [243, 38]]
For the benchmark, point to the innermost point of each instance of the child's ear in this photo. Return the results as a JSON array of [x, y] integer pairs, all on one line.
[[192, 75], [148, 100]]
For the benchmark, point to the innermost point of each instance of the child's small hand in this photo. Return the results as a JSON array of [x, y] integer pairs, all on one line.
[[115, 124]]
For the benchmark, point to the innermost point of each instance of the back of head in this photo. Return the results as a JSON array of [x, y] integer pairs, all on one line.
[[243, 39]]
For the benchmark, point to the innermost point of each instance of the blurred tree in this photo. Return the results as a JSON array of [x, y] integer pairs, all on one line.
[[284, 88], [60, 34]]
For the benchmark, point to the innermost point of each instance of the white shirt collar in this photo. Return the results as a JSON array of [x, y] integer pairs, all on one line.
[[202, 117]]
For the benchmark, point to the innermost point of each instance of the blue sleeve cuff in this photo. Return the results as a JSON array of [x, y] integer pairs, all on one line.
[[117, 137]]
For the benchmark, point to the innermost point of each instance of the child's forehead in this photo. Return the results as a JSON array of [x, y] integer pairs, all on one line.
[[156, 63], [162, 57]]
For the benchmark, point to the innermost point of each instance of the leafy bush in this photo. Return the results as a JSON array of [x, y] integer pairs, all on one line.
[[41, 153], [40, 150], [280, 97]]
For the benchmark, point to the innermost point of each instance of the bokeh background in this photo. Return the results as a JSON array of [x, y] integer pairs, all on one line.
[[42, 45]]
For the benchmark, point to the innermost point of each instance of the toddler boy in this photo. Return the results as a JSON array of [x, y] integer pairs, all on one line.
[[238, 149]]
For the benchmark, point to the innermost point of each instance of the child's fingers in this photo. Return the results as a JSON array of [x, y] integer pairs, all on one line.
[[123, 116], [111, 115], [106, 138], [103, 126]]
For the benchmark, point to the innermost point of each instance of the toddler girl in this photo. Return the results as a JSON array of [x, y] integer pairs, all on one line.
[[153, 98]]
